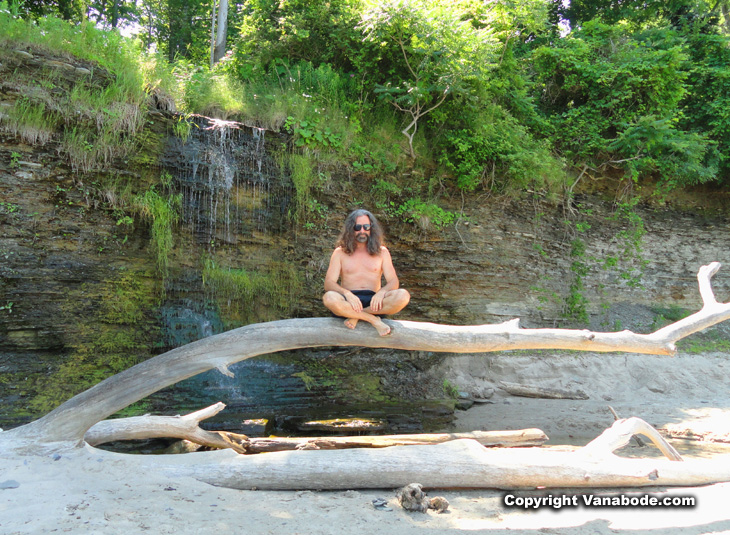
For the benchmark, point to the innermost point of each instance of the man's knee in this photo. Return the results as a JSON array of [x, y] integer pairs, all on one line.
[[331, 298], [400, 298]]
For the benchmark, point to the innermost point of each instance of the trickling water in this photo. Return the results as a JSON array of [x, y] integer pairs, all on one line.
[[230, 183], [186, 321]]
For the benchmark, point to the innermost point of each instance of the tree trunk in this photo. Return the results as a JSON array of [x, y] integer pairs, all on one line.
[[456, 464], [187, 428], [529, 391], [221, 31], [71, 420]]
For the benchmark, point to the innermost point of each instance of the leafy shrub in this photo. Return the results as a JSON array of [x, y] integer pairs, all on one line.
[[499, 153], [424, 214]]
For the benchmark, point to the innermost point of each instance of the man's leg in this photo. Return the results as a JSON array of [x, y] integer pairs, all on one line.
[[338, 305], [393, 302]]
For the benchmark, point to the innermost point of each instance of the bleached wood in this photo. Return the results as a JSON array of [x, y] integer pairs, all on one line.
[[70, 421], [620, 433], [518, 438], [143, 427], [530, 391], [456, 464], [187, 428]]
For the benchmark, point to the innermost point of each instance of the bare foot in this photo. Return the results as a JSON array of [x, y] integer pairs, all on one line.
[[351, 323], [383, 329]]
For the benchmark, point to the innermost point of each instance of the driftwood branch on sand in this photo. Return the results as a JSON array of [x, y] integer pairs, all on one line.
[[187, 428], [457, 463], [530, 391]]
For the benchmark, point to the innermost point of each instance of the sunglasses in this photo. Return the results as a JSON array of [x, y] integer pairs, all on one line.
[[363, 227]]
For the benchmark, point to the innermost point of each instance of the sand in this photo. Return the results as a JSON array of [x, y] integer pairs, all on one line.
[[87, 490]]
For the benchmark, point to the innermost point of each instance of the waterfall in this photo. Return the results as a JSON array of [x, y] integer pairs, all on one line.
[[230, 183]]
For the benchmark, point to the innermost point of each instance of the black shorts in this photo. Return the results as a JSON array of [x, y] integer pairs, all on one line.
[[365, 296]]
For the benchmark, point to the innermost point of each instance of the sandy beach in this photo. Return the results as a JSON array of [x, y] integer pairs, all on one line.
[[87, 490]]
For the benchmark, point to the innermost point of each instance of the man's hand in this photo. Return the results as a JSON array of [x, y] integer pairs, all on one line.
[[354, 301], [376, 303]]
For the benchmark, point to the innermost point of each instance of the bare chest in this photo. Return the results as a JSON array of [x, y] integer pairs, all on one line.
[[362, 266]]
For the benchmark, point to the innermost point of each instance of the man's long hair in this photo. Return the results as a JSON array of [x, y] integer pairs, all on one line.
[[347, 237]]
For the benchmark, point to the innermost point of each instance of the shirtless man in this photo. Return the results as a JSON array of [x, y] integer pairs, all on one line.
[[353, 281]]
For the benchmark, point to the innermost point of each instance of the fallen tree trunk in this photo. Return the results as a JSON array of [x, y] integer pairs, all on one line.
[[69, 422], [183, 427], [510, 439], [187, 428], [455, 464], [528, 391]]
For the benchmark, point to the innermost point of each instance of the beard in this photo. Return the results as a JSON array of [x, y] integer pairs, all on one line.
[[362, 238]]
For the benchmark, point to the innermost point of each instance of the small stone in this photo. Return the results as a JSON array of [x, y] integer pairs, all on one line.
[[60, 65], [30, 164], [439, 504], [9, 484], [381, 504]]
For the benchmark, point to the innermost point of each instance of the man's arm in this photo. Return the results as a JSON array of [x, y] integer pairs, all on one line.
[[332, 277], [391, 280]]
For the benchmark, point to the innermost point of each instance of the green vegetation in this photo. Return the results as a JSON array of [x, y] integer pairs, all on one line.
[[30, 122], [420, 97], [162, 212], [450, 390], [244, 296], [122, 337]]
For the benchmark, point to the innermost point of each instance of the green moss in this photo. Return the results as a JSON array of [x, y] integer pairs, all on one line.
[[666, 315], [149, 147], [364, 387], [245, 296], [713, 340], [118, 337]]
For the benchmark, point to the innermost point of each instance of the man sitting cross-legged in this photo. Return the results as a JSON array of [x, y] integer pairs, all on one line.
[[352, 284]]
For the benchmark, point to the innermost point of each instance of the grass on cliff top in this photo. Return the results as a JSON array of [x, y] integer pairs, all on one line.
[[135, 73]]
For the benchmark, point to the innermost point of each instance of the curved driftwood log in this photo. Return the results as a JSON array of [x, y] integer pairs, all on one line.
[[71, 420], [184, 427]]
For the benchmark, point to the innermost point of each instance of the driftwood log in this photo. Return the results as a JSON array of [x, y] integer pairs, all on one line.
[[455, 464], [187, 428], [459, 463], [529, 391]]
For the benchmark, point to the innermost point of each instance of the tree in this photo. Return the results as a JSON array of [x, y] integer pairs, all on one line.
[[614, 98], [219, 33], [113, 13], [290, 31], [430, 53], [72, 10]]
